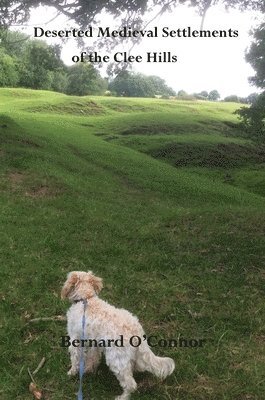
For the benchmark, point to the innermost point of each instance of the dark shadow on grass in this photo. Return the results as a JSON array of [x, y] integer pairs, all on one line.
[[224, 155]]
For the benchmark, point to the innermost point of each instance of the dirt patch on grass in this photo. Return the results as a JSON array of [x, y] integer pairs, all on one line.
[[260, 339], [31, 186], [210, 155], [73, 108], [41, 191], [16, 177]]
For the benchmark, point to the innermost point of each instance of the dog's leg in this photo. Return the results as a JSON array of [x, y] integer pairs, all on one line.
[[127, 382], [119, 362], [75, 360], [92, 359]]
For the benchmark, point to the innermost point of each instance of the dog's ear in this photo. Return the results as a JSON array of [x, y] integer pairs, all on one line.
[[70, 283], [96, 283]]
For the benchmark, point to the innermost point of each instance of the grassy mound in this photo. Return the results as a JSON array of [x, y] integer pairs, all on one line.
[[178, 243]]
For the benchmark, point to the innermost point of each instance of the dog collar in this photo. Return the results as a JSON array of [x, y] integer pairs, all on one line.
[[77, 301]]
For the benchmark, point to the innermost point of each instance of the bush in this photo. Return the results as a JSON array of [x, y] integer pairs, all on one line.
[[253, 117]]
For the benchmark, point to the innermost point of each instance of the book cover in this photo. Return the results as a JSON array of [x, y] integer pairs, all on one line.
[[132, 199]]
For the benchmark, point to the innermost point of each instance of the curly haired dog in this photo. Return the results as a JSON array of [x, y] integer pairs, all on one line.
[[104, 321]]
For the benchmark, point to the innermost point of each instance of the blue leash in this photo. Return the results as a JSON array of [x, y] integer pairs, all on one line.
[[82, 359]]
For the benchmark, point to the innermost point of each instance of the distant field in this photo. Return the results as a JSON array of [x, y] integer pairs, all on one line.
[[162, 199]]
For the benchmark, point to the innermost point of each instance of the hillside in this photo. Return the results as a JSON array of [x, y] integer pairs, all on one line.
[[162, 199]]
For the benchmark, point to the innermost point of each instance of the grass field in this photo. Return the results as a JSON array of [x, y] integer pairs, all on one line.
[[162, 199]]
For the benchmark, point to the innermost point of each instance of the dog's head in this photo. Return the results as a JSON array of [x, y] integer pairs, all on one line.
[[81, 285]]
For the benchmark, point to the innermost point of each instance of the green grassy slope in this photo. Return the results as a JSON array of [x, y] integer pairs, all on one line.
[[165, 201]]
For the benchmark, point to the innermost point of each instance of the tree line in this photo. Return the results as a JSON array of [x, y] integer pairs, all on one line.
[[129, 13], [35, 64]]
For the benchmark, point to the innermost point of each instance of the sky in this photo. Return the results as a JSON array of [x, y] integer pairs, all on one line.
[[203, 63]]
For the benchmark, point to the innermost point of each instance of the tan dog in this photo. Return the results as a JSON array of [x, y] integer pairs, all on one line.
[[108, 330]]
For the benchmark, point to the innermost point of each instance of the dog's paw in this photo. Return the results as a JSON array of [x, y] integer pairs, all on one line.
[[72, 372]]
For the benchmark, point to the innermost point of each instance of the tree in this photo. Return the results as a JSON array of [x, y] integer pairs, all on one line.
[[159, 86], [253, 118], [38, 63], [130, 13], [182, 93], [252, 98], [84, 79], [214, 95], [35, 64], [256, 56], [138, 85], [204, 93], [59, 80], [9, 75], [15, 43], [233, 98]]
